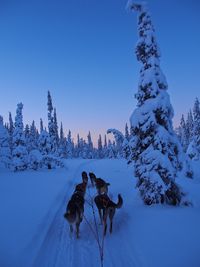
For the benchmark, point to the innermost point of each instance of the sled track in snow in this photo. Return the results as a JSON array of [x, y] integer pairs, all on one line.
[[57, 248]]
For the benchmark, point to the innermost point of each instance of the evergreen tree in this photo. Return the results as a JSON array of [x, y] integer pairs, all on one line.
[[189, 127], [183, 134], [90, 146], [154, 146], [83, 149], [19, 153], [196, 122], [126, 151], [27, 137], [119, 138], [44, 143], [100, 148], [194, 148], [10, 131], [5, 153], [62, 143], [41, 126], [126, 132], [33, 137], [61, 132], [77, 147], [105, 147], [51, 125], [110, 149], [55, 126], [70, 145], [105, 142]]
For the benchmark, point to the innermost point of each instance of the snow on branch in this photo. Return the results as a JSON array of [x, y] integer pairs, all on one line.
[[119, 137]]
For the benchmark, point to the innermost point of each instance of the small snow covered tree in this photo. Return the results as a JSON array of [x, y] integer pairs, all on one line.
[[183, 134], [194, 147], [44, 143], [5, 153], [189, 127], [155, 148], [19, 153], [62, 150], [55, 126], [126, 145], [70, 147], [119, 138], [89, 146], [100, 148], [105, 147], [77, 147], [41, 126], [111, 153], [10, 131], [33, 137]]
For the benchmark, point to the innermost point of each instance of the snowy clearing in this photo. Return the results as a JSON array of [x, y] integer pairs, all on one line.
[[34, 233]]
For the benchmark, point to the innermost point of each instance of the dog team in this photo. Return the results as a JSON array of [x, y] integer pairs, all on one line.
[[106, 207]]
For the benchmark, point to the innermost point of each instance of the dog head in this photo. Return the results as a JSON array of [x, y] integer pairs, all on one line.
[[84, 177], [92, 175], [81, 188]]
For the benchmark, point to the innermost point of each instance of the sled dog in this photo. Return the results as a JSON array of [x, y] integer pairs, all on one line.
[[107, 206]]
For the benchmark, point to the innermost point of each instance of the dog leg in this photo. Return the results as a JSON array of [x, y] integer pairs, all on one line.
[[111, 215], [111, 227], [105, 214], [105, 228], [100, 215], [77, 229]]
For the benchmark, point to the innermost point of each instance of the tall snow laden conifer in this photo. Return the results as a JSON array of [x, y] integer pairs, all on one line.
[[155, 149], [52, 124], [19, 153]]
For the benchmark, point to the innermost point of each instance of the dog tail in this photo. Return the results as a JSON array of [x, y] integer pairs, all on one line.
[[120, 202]]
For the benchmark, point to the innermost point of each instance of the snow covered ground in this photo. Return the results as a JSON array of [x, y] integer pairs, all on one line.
[[33, 231]]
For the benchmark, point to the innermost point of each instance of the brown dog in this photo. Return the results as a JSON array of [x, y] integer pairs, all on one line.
[[74, 211], [101, 185], [75, 207], [105, 204]]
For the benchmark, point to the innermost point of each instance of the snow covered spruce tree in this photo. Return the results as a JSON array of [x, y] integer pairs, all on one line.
[[19, 153], [194, 147], [183, 134], [70, 146], [52, 124], [155, 148], [89, 146], [10, 131], [5, 153], [100, 148], [119, 138]]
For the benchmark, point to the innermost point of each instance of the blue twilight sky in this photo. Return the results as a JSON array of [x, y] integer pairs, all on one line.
[[83, 52]]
